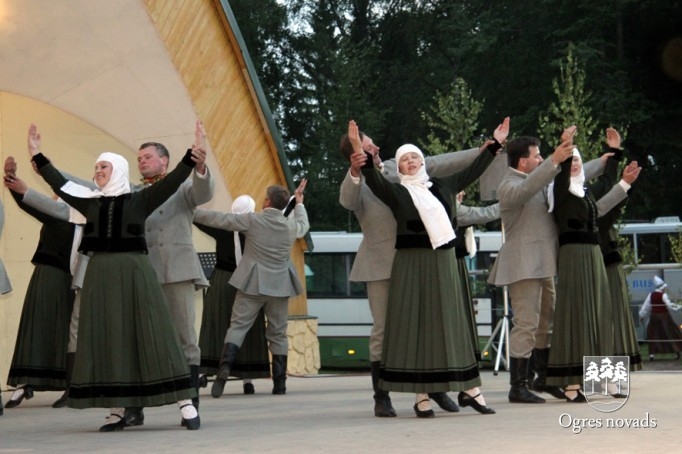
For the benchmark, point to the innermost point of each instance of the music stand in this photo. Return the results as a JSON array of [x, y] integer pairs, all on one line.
[[489, 182]]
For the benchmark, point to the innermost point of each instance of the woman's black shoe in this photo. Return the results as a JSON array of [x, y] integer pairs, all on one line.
[[466, 400], [578, 399], [26, 393], [249, 389], [114, 424], [423, 413], [193, 423]]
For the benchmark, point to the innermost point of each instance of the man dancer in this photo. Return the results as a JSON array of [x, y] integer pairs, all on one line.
[[264, 278], [527, 260], [374, 259]]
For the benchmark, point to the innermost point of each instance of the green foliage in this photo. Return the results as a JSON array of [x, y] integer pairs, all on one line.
[[676, 246], [453, 119], [572, 107]]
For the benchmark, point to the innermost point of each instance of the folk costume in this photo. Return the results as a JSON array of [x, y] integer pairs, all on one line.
[[662, 332], [428, 345], [128, 351]]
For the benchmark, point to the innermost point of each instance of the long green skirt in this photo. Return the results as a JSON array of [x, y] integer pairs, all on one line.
[[582, 326], [427, 342], [40, 351], [624, 335], [466, 289], [252, 360], [128, 352]]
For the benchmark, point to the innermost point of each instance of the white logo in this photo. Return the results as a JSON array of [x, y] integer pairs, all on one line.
[[606, 382]]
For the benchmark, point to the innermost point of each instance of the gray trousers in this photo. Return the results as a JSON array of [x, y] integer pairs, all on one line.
[[244, 314], [180, 300], [73, 326], [532, 301], [377, 294]]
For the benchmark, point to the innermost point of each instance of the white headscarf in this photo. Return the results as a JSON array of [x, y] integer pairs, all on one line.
[[431, 210], [242, 204], [659, 284], [118, 184], [576, 185]]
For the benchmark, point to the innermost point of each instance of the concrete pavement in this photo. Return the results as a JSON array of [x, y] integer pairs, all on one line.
[[333, 414]]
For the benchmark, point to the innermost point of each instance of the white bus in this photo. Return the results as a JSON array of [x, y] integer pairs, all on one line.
[[344, 319]]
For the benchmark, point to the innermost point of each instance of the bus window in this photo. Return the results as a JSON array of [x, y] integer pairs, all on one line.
[[328, 276]]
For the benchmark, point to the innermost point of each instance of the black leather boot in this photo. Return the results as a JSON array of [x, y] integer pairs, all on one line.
[[531, 369], [382, 401], [227, 359], [63, 400], [518, 393], [541, 356], [279, 374], [133, 416]]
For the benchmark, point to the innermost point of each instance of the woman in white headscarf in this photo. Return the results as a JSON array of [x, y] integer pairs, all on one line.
[[252, 360], [581, 323], [428, 346], [128, 352], [662, 333]]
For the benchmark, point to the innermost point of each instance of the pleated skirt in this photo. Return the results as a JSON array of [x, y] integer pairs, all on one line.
[[252, 360], [624, 334], [581, 323], [128, 352], [40, 350], [663, 334], [428, 346], [466, 292]]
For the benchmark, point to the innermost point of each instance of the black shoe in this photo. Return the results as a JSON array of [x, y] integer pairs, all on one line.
[[112, 426], [578, 399], [466, 400], [191, 424], [383, 408], [219, 383], [134, 416], [203, 381], [519, 394], [27, 393], [62, 401], [425, 413], [249, 389], [444, 402]]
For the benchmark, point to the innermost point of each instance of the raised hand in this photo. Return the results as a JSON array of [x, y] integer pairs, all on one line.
[[33, 140], [359, 157], [10, 167], [562, 152], [298, 193], [631, 172], [502, 131], [569, 133], [199, 147], [612, 138]]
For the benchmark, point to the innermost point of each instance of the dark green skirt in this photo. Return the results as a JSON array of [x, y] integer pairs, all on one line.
[[466, 289], [40, 350], [428, 344], [128, 352], [624, 335], [252, 360], [582, 326]]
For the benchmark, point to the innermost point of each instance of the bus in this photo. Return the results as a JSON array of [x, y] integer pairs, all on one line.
[[341, 306], [345, 321]]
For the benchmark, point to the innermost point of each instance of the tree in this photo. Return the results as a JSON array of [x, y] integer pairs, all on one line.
[[571, 108]]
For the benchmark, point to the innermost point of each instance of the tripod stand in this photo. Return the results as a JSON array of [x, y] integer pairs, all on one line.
[[502, 328]]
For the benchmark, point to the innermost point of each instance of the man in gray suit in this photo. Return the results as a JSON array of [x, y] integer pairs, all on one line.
[[374, 258], [527, 261], [265, 277]]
